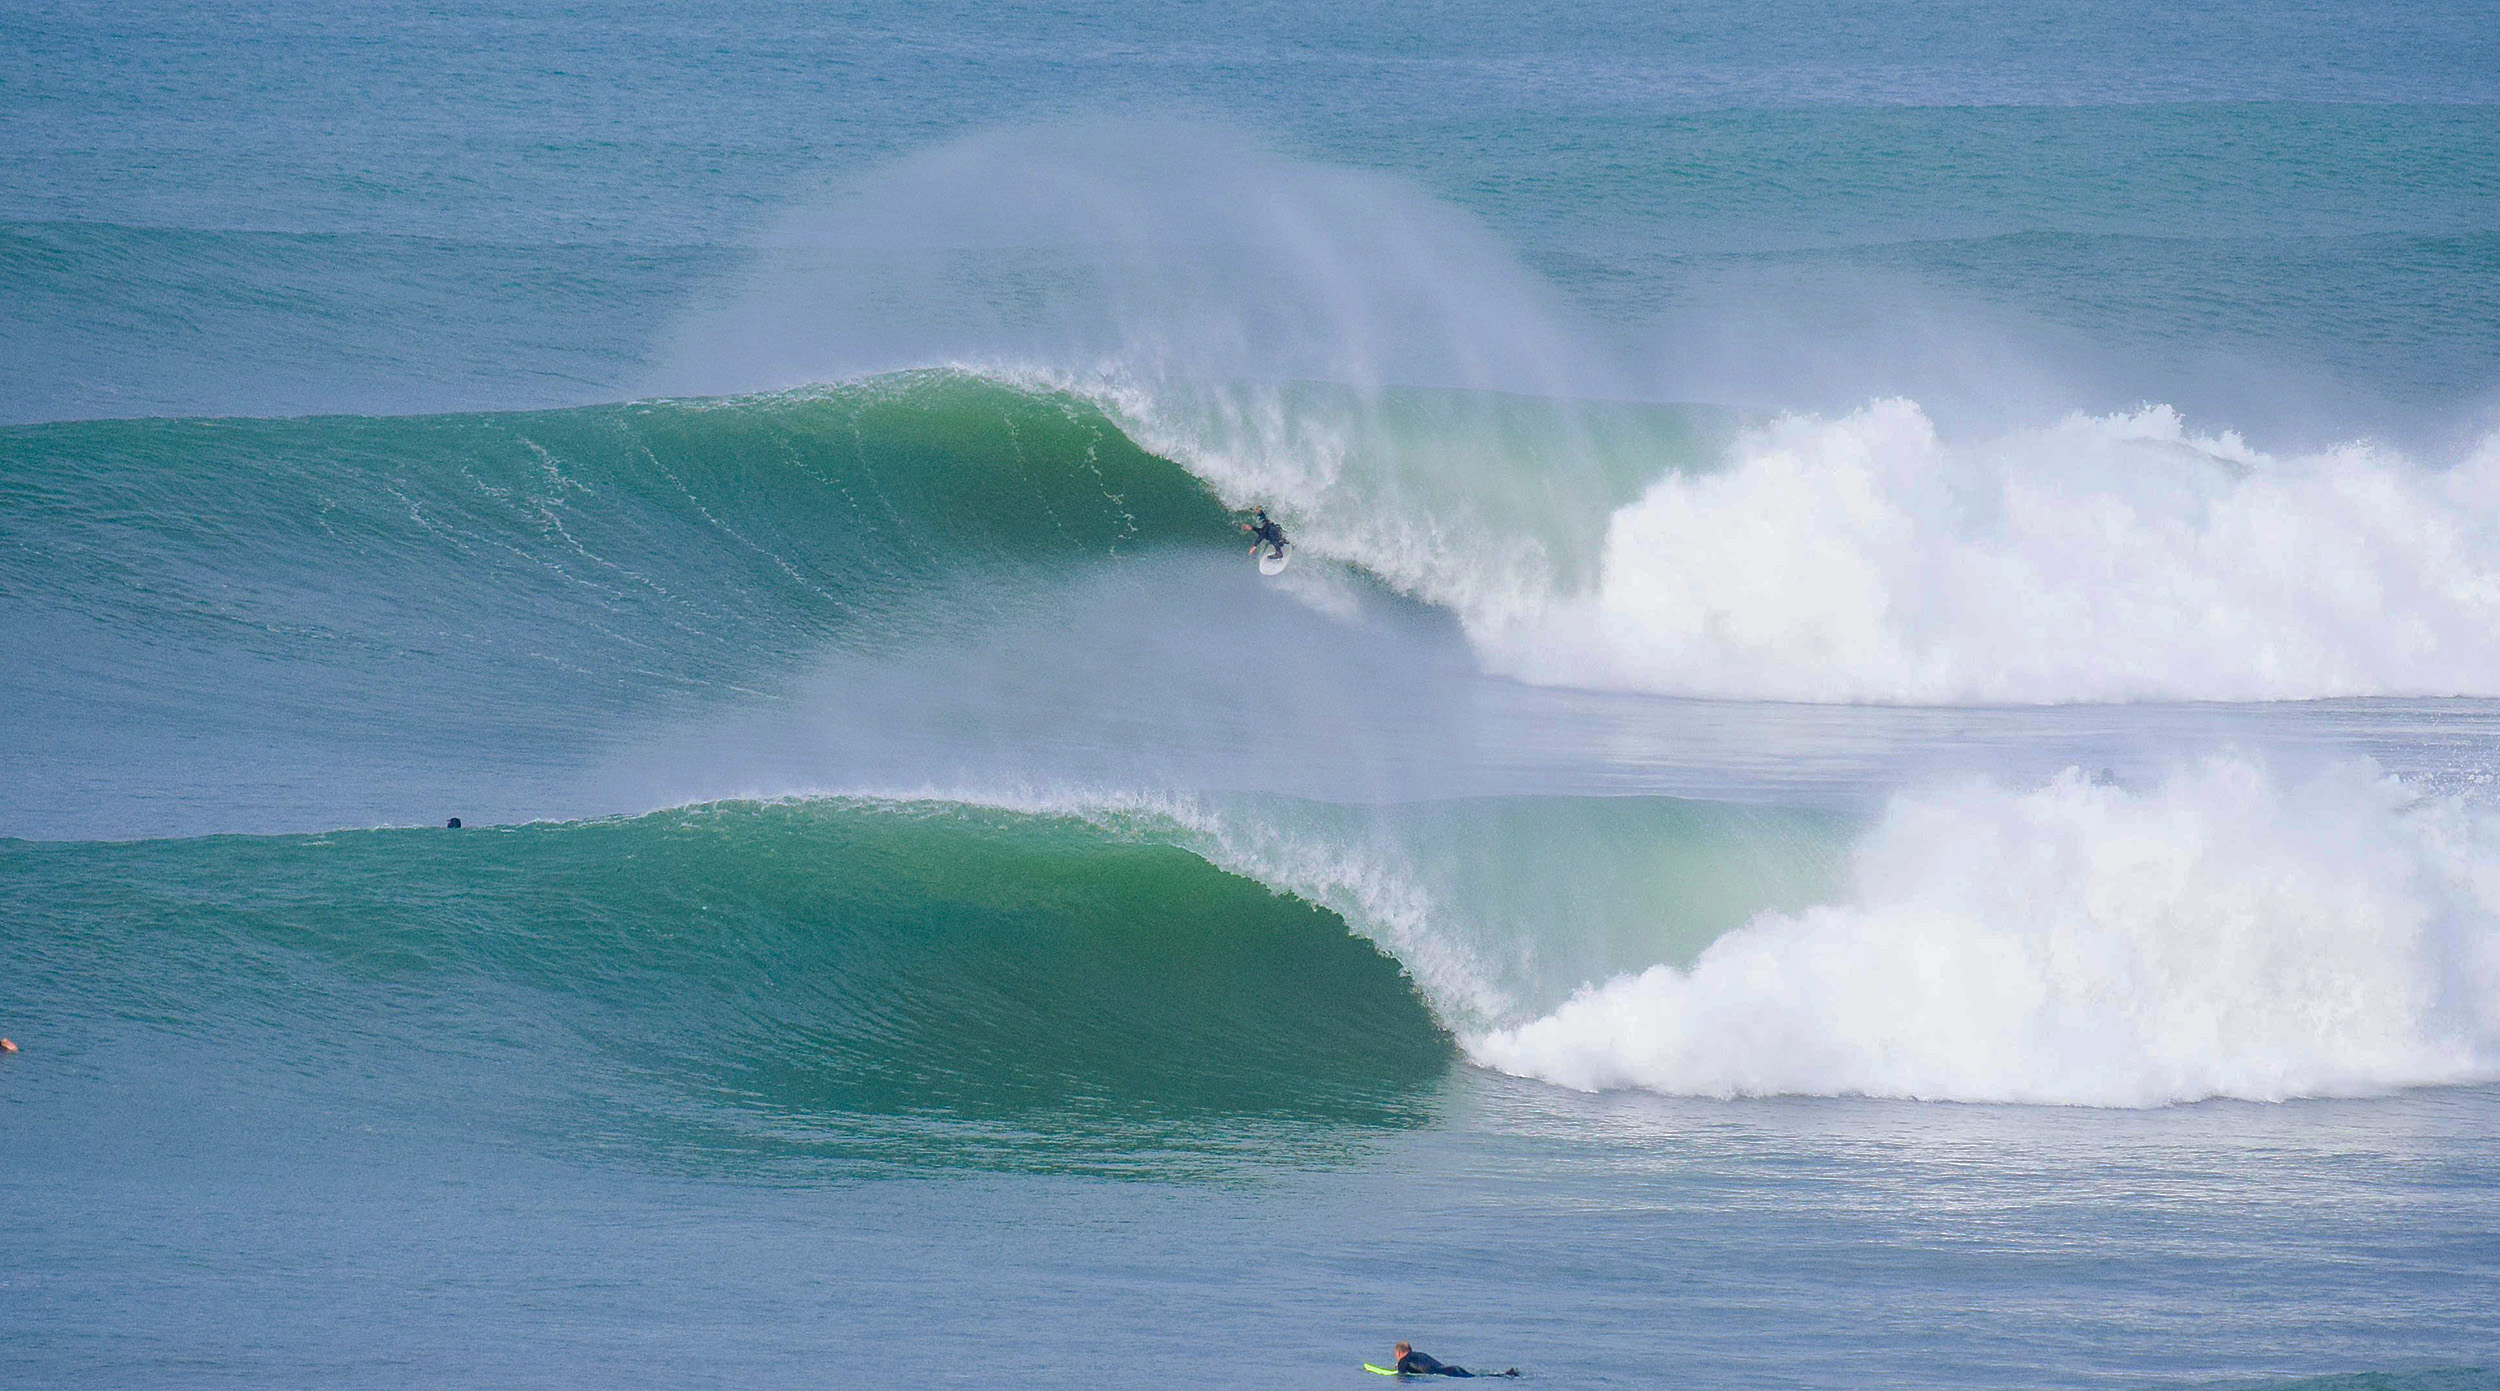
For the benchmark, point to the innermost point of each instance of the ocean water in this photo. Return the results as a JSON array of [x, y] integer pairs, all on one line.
[[1876, 766]]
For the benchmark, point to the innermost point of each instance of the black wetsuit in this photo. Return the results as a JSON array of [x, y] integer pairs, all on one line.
[[1420, 1364], [1270, 533]]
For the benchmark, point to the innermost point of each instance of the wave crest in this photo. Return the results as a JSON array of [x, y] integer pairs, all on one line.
[[2101, 559], [2226, 934]]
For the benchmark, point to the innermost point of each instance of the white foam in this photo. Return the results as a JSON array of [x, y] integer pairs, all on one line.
[[2103, 558], [1159, 266], [2228, 934], [1867, 558]]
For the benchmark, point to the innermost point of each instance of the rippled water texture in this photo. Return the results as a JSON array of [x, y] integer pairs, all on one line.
[[1874, 766]]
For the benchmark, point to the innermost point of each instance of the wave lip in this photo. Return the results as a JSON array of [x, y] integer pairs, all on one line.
[[2227, 934]]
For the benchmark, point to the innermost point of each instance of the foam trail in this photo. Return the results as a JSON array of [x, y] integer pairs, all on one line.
[[2104, 558], [2227, 934]]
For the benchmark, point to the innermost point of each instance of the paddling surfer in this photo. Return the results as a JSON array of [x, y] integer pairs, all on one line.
[[1424, 1364]]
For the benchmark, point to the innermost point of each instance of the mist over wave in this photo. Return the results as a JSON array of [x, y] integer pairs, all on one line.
[[1380, 368], [1165, 253], [926, 909], [1013, 571], [2227, 933], [1871, 558]]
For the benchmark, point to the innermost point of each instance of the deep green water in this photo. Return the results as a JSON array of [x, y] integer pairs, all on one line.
[[1874, 767]]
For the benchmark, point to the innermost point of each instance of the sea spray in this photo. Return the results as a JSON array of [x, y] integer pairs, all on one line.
[[1869, 557], [1491, 504], [2230, 932], [1171, 250], [2102, 558]]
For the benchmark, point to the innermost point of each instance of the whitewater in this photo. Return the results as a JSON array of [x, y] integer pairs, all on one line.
[[2221, 935], [1876, 765], [2264, 922], [1450, 424]]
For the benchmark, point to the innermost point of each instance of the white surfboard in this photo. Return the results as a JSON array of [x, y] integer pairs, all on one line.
[[1275, 564]]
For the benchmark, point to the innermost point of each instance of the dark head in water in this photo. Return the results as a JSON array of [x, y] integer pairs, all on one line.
[[452, 825]]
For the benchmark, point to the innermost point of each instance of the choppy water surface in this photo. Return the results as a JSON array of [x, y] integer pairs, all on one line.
[[1875, 766]]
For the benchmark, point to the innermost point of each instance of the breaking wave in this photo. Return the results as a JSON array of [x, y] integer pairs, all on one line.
[[2228, 933], [1868, 558], [2101, 559], [816, 980], [1381, 368], [842, 982]]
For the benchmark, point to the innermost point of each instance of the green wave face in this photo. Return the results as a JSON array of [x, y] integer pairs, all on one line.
[[284, 624], [824, 985], [673, 539], [210, 619]]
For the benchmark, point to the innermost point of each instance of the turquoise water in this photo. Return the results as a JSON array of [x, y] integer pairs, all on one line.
[[1875, 766]]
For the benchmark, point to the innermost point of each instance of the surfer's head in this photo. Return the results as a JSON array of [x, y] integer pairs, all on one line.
[[1403, 1349]]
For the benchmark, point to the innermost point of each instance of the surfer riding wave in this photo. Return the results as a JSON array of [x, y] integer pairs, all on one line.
[[1264, 532]]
